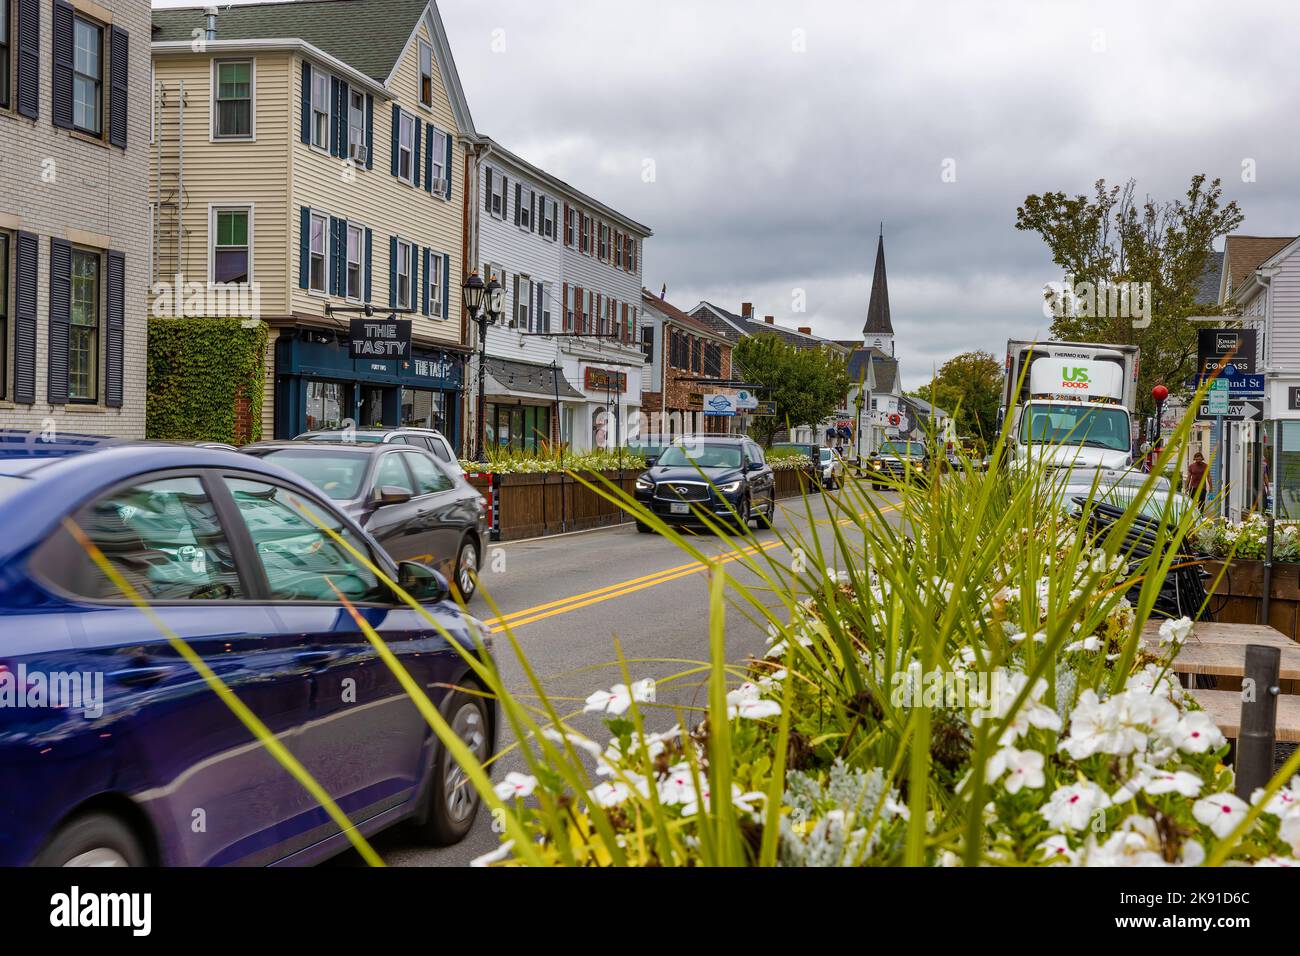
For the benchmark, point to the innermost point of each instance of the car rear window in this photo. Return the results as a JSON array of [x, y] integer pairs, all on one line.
[[338, 474]]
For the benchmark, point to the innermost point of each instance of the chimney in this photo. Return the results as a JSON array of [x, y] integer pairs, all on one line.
[[806, 329], [770, 319], [211, 13], [746, 310]]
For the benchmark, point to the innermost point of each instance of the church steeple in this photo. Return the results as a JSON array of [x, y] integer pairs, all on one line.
[[878, 330]]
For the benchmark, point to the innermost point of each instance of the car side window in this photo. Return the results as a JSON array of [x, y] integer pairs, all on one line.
[[429, 478], [302, 562], [392, 473], [439, 448], [163, 537]]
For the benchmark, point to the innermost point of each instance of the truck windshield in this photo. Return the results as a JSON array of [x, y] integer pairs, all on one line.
[[1094, 425]]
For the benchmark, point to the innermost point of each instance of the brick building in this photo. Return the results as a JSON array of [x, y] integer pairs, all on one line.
[[685, 361], [74, 214]]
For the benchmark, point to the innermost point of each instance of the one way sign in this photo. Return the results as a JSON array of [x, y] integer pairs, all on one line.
[[1239, 410]]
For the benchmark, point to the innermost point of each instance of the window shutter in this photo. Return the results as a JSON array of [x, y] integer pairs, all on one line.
[[397, 132], [61, 91], [392, 272], [539, 321], [115, 340], [447, 173], [370, 244], [334, 116], [304, 248], [505, 198], [424, 289], [306, 105], [415, 155], [60, 319], [428, 157], [564, 306], [26, 259], [519, 189], [370, 131], [487, 192], [338, 255], [415, 278], [27, 29], [118, 65], [446, 286]]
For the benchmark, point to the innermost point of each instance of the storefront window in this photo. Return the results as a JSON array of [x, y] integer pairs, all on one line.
[[1288, 471], [325, 405], [371, 414], [518, 427], [424, 409]]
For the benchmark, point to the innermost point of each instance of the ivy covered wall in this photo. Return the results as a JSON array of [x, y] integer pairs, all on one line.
[[205, 380]]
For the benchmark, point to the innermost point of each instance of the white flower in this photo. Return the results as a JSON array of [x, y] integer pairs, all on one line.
[[1197, 733], [747, 701], [1290, 831], [1057, 847], [1221, 812], [678, 786], [1283, 803], [579, 741], [496, 856], [1072, 807], [516, 786], [1091, 643], [610, 793], [1025, 770], [771, 680], [1280, 861], [619, 699], [1175, 632], [1180, 782]]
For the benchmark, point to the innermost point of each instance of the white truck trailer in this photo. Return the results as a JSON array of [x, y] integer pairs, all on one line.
[[1074, 405]]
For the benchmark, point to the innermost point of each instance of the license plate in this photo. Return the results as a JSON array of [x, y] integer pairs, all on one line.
[[681, 508]]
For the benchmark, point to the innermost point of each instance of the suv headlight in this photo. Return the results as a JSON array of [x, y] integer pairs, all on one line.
[[644, 484], [731, 487]]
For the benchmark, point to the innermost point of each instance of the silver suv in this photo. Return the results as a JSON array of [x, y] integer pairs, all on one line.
[[427, 438]]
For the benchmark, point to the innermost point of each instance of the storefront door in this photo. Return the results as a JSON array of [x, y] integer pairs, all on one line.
[[371, 410]]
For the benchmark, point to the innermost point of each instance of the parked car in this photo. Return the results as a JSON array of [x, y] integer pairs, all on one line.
[[832, 468], [895, 459], [715, 474], [413, 505], [129, 750], [428, 438], [812, 452]]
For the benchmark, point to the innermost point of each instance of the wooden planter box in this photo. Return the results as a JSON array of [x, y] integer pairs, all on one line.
[[1237, 598], [534, 505]]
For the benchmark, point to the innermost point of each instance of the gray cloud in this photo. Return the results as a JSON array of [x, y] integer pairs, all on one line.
[[775, 167]]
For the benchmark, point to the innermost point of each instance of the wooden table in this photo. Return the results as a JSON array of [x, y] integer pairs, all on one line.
[[1233, 635], [1224, 708]]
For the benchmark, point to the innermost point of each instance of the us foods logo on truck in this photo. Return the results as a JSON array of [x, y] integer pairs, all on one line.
[[1074, 378]]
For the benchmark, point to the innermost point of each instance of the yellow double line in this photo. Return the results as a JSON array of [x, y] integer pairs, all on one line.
[[609, 592]]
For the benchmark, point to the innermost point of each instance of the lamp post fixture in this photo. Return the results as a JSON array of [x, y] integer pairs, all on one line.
[[1160, 394], [479, 301]]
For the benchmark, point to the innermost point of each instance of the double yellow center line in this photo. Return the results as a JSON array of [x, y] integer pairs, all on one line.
[[609, 592]]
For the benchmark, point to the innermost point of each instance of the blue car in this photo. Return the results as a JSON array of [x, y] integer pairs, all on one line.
[[113, 750]]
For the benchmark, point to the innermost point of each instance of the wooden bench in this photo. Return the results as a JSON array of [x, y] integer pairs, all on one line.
[[1232, 635], [1224, 708]]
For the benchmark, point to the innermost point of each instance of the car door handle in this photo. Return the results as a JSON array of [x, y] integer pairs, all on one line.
[[142, 676], [317, 659]]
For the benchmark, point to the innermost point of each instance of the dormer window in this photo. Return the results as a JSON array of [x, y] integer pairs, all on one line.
[[426, 74]]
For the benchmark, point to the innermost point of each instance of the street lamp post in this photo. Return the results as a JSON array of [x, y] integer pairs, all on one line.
[[1160, 394], [475, 293]]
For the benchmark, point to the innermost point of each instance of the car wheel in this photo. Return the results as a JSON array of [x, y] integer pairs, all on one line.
[[96, 839], [453, 801], [644, 528], [463, 578], [768, 518]]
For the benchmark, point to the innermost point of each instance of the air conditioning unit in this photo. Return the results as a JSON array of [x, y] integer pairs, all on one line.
[[439, 185], [357, 153]]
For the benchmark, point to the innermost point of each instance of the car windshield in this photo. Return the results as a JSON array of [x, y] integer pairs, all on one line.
[[342, 436], [826, 454], [1094, 425], [339, 475], [701, 456], [901, 448]]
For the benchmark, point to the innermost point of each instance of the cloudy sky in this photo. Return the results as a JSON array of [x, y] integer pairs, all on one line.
[[781, 134]]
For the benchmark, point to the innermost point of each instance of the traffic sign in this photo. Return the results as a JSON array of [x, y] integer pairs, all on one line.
[[1238, 383], [1235, 410], [1218, 398]]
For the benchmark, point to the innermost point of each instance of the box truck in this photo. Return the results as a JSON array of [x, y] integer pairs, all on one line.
[[1074, 403]]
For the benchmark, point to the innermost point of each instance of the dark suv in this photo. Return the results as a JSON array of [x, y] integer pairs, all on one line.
[[719, 476], [896, 459]]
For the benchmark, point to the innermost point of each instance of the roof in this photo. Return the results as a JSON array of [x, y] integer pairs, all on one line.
[[559, 185], [369, 35], [1242, 255], [884, 368], [525, 378], [734, 326], [878, 306], [676, 315], [1207, 286], [924, 407]]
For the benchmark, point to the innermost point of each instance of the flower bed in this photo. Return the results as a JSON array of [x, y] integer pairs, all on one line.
[[968, 690]]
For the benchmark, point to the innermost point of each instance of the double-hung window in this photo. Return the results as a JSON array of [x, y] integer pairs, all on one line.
[[5, 72], [318, 249], [233, 111], [426, 74], [357, 145], [87, 76], [435, 286], [83, 330], [355, 252], [231, 243], [4, 312], [438, 161], [604, 243], [406, 133], [549, 209], [498, 196], [320, 109], [524, 207], [570, 229], [523, 301], [403, 274]]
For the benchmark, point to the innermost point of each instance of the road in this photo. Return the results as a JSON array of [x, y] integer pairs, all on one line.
[[569, 598]]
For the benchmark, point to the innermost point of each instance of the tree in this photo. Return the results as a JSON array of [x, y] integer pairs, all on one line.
[[968, 387], [807, 385], [1112, 238]]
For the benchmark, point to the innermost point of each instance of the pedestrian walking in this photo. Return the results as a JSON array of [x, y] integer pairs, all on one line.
[[1198, 478]]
